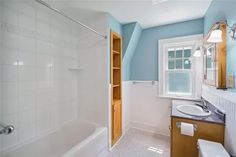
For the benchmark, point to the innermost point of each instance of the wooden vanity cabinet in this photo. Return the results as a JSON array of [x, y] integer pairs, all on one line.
[[186, 146]]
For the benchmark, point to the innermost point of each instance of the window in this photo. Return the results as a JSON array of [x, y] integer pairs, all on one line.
[[177, 67], [179, 70]]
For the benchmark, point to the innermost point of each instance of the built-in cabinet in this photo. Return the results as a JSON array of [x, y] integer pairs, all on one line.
[[186, 146], [116, 80]]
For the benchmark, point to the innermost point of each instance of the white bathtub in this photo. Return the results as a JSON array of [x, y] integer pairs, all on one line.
[[76, 139]]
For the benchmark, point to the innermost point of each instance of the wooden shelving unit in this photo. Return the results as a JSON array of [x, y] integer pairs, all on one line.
[[116, 79]]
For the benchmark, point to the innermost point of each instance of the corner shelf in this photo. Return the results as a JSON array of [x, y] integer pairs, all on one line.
[[116, 86], [116, 52], [116, 101], [116, 68], [116, 80]]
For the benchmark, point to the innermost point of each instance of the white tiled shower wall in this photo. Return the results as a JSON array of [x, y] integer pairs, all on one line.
[[226, 101], [38, 92]]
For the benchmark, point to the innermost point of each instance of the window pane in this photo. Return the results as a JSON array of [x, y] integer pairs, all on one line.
[[187, 64], [179, 82], [209, 63], [179, 54], [171, 64], [171, 54], [179, 63], [187, 53]]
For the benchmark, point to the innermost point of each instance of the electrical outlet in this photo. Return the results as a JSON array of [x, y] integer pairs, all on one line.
[[230, 81]]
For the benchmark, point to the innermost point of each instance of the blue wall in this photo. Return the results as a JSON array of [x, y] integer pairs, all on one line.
[[131, 35], [223, 10], [115, 26], [144, 64]]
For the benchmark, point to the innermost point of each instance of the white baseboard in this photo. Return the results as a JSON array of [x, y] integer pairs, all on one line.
[[149, 128]]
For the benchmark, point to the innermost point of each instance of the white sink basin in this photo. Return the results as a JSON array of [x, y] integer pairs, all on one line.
[[193, 110]]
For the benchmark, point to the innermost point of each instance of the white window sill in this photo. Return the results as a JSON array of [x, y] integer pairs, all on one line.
[[178, 97]]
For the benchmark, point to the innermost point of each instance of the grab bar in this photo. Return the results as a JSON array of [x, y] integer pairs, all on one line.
[[136, 82], [6, 129]]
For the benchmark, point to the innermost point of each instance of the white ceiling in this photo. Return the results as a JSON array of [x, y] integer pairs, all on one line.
[[143, 11]]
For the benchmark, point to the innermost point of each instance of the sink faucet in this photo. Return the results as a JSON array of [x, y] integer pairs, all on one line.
[[204, 104]]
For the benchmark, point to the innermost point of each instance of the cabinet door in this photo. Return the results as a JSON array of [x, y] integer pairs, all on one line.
[[186, 146], [116, 119]]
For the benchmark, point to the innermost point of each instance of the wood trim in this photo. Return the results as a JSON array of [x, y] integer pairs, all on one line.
[[116, 84], [220, 58], [186, 146]]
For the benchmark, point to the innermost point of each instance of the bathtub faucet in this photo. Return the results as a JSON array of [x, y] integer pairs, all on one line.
[[6, 129]]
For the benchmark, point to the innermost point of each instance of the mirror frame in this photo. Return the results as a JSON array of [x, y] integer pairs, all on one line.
[[220, 59]]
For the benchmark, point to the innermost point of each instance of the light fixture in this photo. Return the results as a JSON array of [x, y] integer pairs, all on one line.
[[216, 34], [215, 37], [197, 52], [155, 2], [232, 31]]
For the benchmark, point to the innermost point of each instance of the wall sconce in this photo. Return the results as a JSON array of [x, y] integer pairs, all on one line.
[[215, 37], [216, 34], [198, 52], [232, 31]]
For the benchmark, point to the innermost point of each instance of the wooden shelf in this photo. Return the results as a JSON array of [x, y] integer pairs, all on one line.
[[117, 85], [116, 101], [116, 52], [116, 68], [116, 80]]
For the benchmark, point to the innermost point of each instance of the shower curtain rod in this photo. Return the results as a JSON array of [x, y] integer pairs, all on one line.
[[68, 17]]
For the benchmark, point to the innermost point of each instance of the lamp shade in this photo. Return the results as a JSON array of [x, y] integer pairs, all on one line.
[[198, 52], [215, 37]]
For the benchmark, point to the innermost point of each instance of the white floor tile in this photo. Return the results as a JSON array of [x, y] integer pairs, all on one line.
[[136, 143]]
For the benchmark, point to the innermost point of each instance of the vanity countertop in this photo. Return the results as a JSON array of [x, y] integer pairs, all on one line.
[[213, 118]]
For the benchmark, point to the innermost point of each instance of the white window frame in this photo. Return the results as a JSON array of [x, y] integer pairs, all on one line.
[[164, 45]]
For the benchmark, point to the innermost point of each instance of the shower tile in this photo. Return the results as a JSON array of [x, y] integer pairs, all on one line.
[[9, 91], [9, 73], [27, 44], [44, 60], [43, 74], [27, 59], [27, 21], [43, 120], [8, 56], [9, 106], [27, 96], [26, 118], [10, 40], [9, 14], [26, 134], [27, 73], [43, 47]]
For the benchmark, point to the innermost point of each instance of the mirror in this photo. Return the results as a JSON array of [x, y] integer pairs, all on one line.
[[215, 60], [210, 64]]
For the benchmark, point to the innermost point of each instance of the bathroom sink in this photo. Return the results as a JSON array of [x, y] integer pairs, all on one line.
[[193, 110]]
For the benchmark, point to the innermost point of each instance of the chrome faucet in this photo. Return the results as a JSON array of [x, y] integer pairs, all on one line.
[[204, 104], [6, 129]]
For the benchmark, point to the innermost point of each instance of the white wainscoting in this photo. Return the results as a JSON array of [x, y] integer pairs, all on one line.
[[143, 109], [226, 101]]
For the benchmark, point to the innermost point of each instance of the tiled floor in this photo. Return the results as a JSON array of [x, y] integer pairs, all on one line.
[[136, 143]]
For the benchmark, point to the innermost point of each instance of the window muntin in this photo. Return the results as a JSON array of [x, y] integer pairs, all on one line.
[[179, 58], [179, 71]]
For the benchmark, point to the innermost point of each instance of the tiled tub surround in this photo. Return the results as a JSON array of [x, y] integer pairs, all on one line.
[[38, 92], [74, 139]]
